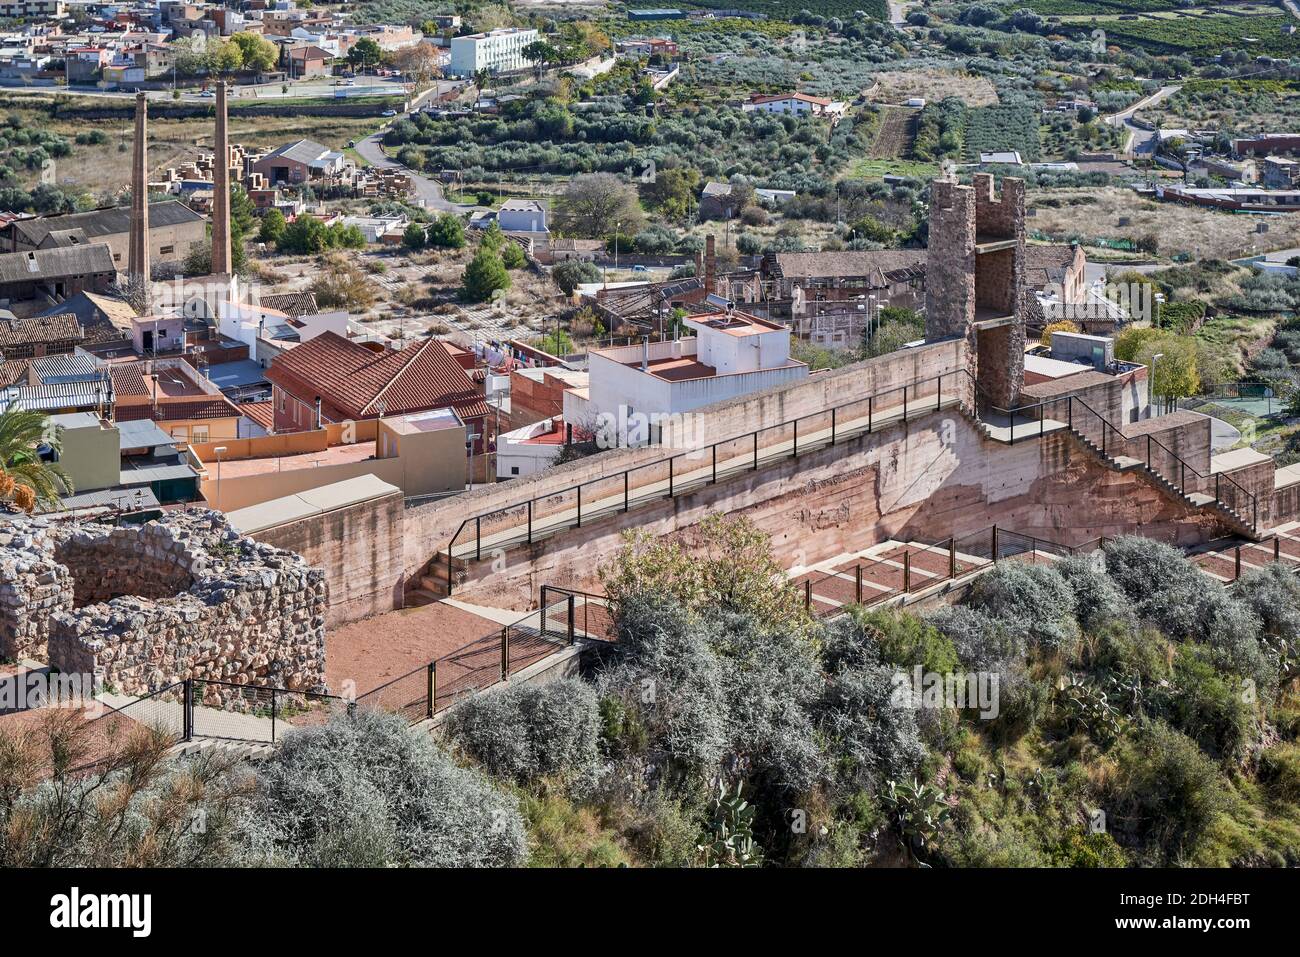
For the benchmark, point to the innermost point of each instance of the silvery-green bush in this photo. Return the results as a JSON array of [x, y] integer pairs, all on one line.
[[370, 791], [523, 732], [719, 692], [1164, 587], [1033, 600], [1098, 601], [1273, 595]]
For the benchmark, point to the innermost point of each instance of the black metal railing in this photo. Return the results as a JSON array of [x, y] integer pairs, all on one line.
[[544, 515], [1076, 415]]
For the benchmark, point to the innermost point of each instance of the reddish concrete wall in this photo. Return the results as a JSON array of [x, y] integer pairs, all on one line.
[[360, 549], [934, 477], [429, 527]]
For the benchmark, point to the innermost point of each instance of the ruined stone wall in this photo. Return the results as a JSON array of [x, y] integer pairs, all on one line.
[[32, 588], [950, 264], [187, 597]]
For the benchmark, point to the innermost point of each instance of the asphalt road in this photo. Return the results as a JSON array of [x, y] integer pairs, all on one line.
[[1139, 140]]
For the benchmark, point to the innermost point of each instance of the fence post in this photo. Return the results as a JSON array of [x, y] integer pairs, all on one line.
[[505, 650], [449, 569], [714, 447], [938, 394], [871, 408], [273, 716], [907, 572], [1217, 476], [432, 689], [952, 557], [626, 493], [1277, 549], [807, 594], [478, 537], [904, 402], [670, 478], [187, 709], [579, 525], [995, 543], [857, 583], [755, 451], [1069, 412], [832, 426], [794, 453], [530, 521], [1236, 563]]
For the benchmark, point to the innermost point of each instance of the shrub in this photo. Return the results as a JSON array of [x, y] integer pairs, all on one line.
[[981, 642], [569, 275], [1273, 595], [1033, 600], [1168, 791], [1208, 708], [1080, 848], [906, 640], [1279, 769], [370, 791], [1164, 587], [512, 255], [871, 738], [524, 732], [1097, 600]]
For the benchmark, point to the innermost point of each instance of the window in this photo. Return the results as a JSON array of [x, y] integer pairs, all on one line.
[[199, 434], [514, 470], [166, 250]]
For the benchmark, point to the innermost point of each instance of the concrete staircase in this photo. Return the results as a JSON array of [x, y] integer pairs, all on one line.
[[239, 750], [1124, 463], [431, 586]]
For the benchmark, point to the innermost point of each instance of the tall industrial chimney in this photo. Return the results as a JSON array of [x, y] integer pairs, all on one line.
[[221, 190], [710, 265], [137, 257]]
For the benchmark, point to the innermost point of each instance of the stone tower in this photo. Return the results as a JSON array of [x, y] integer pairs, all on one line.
[[221, 190], [137, 257], [973, 280]]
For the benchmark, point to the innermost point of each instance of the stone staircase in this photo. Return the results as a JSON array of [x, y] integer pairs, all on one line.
[[431, 585], [240, 750]]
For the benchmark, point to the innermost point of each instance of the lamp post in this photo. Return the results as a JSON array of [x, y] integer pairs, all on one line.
[[219, 449], [1154, 359]]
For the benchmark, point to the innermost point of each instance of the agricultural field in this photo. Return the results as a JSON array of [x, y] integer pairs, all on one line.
[[1206, 33], [790, 9], [898, 86], [1230, 106], [1175, 229], [1054, 8]]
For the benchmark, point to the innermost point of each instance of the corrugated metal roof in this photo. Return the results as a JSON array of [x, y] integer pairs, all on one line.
[[104, 222], [95, 259], [142, 434]]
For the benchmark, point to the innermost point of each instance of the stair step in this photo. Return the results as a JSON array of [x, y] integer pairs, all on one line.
[[1126, 462], [434, 585], [1200, 498]]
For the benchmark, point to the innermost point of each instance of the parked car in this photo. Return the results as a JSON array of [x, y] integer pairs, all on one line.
[[388, 113], [639, 268]]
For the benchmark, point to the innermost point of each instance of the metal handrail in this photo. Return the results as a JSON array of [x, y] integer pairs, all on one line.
[[712, 449]]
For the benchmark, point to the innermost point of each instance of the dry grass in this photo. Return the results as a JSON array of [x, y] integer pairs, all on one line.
[[1204, 233], [104, 168], [901, 85]]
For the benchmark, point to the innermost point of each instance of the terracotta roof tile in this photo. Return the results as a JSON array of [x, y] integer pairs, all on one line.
[[352, 381]]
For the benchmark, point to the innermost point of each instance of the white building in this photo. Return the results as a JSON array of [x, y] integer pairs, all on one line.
[[800, 104], [529, 449], [497, 51], [731, 354], [522, 216]]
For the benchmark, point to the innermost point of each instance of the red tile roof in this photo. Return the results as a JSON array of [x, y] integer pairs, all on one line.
[[212, 407], [352, 381], [263, 413]]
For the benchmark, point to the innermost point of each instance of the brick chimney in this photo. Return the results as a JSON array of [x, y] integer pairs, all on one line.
[[221, 190], [137, 260]]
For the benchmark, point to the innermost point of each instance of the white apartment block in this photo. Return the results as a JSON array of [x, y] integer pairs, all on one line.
[[730, 355], [498, 51]]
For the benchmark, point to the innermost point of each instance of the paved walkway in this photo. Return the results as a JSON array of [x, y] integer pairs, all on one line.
[[654, 481]]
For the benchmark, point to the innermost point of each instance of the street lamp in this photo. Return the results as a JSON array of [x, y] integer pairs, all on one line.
[[219, 449], [1154, 359]]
